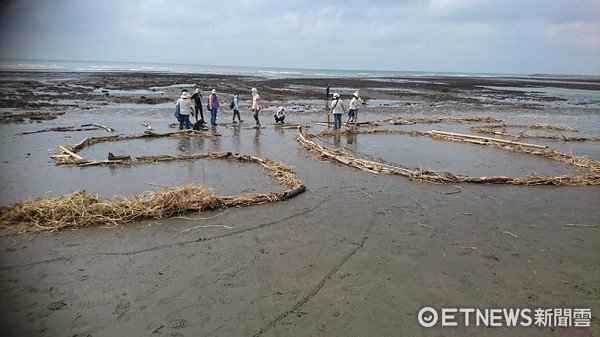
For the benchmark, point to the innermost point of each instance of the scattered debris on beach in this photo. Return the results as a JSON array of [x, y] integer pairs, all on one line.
[[80, 209]]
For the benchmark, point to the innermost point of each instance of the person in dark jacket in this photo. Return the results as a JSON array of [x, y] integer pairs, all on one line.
[[197, 99]]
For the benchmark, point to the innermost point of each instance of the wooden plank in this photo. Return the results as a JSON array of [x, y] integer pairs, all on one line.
[[72, 154]]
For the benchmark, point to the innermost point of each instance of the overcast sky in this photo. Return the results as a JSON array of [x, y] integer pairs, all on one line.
[[489, 36]]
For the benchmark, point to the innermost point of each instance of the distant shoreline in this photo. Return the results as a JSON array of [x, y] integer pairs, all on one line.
[[268, 72], [133, 78]]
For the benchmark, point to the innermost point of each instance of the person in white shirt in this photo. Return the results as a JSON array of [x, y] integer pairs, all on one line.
[[255, 105], [355, 103], [337, 109], [186, 107], [279, 115]]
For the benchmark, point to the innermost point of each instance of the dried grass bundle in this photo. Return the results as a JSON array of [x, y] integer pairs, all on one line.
[[81, 209]]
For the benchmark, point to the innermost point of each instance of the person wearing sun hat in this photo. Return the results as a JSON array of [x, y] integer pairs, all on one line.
[[355, 103], [186, 107], [337, 109], [255, 106], [279, 115], [213, 105]]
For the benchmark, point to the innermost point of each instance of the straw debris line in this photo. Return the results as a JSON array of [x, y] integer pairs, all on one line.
[[580, 162], [593, 178], [501, 130], [418, 120], [371, 131], [432, 120], [81, 209]]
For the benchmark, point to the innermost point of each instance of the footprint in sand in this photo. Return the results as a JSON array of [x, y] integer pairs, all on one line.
[[178, 323], [57, 305]]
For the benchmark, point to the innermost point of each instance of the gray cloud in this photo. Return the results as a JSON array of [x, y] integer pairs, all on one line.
[[509, 36]]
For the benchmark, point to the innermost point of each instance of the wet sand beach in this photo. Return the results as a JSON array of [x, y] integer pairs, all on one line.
[[356, 254]]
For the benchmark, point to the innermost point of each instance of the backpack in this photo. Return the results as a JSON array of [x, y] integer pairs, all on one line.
[[177, 112]]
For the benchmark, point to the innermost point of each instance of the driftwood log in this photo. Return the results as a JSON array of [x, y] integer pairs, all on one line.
[[59, 129], [104, 127], [71, 153], [485, 139], [88, 141]]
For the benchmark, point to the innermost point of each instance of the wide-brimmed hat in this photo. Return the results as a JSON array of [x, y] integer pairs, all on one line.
[[185, 94], [356, 94], [280, 108], [214, 91], [197, 90], [336, 95]]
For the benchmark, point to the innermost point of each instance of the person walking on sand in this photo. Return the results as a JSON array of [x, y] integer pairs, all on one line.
[[355, 103], [279, 115], [186, 108], [337, 109], [256, 105], [197, 99], [235, 105], [213, 105]]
